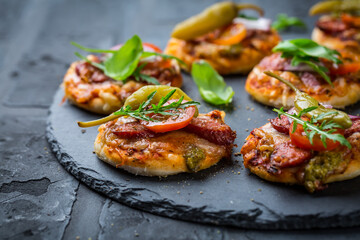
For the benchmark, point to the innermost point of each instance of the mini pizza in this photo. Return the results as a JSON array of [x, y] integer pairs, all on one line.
[[92, 83], [340, 28], [231, 43], [309, 145], [163, 136], [324, 74]]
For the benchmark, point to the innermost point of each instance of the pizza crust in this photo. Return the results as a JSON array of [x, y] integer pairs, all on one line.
[[108, 96], [242, 64], [270, 91], [156, 156], [290, 175], [333, 42]]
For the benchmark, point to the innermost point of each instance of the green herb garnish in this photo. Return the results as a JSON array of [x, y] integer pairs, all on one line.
[[164, 56], [124, 62], [145, 109], [211, 85], [316, 125], [308, 52], [242, 15], [283, 22]]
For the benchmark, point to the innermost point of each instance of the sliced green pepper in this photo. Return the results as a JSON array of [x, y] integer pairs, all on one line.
[[135, 99], [304, 101], [213, 17], [335, 6]]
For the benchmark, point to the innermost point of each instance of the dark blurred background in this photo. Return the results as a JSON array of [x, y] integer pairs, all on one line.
[[40, 200]]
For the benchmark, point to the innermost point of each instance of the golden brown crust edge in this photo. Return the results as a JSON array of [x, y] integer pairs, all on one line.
[[105, 102], [288, 175], [331, 42], [272, 92], [163, 155], [248, 58], [105, 97]]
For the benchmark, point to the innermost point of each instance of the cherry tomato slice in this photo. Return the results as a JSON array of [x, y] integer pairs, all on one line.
[[170, 123], [351, 20], [300, 139], [346, 68], [149, 47], [233, 34]]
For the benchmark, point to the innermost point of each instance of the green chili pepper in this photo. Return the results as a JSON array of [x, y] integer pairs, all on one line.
[[335, 6], [304, 101], [213, 17]]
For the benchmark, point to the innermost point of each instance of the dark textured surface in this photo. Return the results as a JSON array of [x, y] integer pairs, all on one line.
[[229, 195], [34, 54]]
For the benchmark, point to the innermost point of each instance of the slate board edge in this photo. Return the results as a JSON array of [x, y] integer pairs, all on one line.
[[249, 219]]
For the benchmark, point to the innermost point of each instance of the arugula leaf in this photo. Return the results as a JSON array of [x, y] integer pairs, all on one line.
[[138, 76], [93, 50], [164, 56], [283, 22], [211, 85], [242, 15], [325, 130], [308, 52], [144, 110], [98, 65]]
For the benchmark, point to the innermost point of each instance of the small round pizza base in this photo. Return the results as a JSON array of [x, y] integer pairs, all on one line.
[[272, 92], [156, 156], [242, 64], [332, 42], [94, 97], [104, 97], [288, 175]]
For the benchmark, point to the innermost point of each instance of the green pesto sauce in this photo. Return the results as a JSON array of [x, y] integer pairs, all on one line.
[[231, 51], [193, 157], [319, 167]]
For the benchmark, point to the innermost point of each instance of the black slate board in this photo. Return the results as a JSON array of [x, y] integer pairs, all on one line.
[[230, 195]]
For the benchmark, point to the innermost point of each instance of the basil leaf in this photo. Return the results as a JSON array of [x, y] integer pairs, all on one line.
[[124, 61], [211, 85], [284, 21]]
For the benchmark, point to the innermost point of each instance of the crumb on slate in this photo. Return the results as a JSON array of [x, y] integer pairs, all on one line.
[[237, 154]]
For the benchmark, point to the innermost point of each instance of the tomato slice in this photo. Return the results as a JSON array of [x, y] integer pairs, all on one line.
[[170, 123], [300, 139], [233, 34], [149, 47], [351, 20], [346, 68]]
